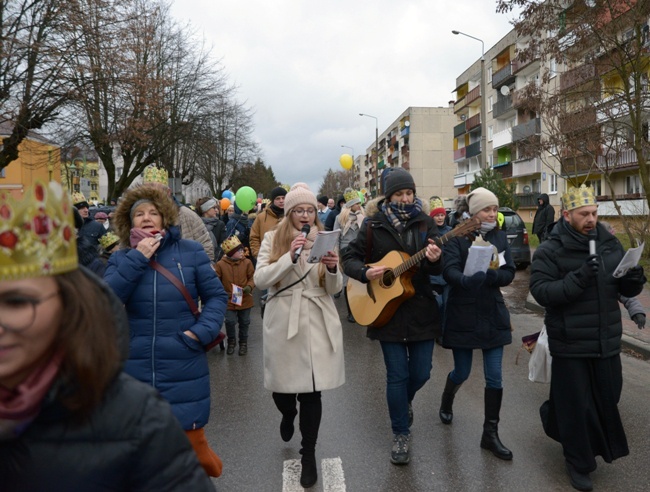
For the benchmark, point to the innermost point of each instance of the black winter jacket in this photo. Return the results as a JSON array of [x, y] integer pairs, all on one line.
[[93, 230], [583, 317], [417, 318], [478, 318], [544, 216]]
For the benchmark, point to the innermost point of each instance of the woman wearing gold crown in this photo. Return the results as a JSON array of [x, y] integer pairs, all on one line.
[[303, 341], [70, 419], [167, 340]]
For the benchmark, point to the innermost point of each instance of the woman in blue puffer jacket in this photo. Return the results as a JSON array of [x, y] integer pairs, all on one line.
[[167, 342]]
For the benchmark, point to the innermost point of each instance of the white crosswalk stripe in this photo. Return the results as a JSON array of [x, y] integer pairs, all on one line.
[[331, 476]]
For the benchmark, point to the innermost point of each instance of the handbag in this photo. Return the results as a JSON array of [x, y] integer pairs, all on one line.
[[539, 365], [188, 298]]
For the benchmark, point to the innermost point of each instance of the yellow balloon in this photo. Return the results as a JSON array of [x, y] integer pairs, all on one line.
[[346, 161]]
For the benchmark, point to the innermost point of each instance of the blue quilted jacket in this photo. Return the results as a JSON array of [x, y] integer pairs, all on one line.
[[160, 354]]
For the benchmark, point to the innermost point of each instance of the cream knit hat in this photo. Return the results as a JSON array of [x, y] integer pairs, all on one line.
[[480, 198], [299, 193]]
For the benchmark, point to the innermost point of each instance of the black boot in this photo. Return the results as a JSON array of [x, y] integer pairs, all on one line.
[[243, 347], [231, 346], [490, 439], [446, 413], [350, 317], [286, 403], [310, 414]]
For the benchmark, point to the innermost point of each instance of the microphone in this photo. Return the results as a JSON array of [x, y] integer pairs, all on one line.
[[592, 242], [304, 231]]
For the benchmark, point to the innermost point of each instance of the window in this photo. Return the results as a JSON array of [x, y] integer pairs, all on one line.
[[489, 74], [552, 183], [490, 103], [490, 160], [596, 186], [490, 132], [633, 184], [552, 69], [536, 186]]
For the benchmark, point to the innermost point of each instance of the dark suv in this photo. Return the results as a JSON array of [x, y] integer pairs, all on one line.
[[515, 229]]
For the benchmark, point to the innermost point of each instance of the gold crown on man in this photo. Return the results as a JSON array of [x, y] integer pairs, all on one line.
[[78, 197], [108, 240], [578, 197], [230, 244], [37, 234], [153, 174]]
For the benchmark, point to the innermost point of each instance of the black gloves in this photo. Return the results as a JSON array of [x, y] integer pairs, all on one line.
[[639, 319], [635, 275], [473, 282], [590, 268], [491, 276]]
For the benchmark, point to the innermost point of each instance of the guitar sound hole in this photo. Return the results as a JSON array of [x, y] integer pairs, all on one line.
[[387, 279]]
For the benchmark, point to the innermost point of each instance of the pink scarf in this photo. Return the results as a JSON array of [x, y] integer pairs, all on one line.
[[138, 235], [19, 406]]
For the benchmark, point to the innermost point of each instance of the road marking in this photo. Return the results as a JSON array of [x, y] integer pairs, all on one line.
[[331, 476]]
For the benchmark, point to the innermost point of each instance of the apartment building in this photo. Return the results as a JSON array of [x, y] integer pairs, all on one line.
[[583, 141], [419, 140]]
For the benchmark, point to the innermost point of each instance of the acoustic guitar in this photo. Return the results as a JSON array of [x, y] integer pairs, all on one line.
[[374, 303]]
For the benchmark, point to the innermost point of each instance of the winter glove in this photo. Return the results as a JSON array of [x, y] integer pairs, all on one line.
[[635, 275], [491, 276], [472, 282], [590, 268], [247, 290], [639, 319]]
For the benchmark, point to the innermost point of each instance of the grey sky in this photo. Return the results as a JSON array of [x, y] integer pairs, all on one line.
[[308, 68]]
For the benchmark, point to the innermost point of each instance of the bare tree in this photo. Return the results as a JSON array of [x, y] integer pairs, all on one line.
[[335, 182]]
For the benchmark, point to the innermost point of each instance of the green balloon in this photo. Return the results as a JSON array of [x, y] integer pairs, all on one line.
[[245, 198]]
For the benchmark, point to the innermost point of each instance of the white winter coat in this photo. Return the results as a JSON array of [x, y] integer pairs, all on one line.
[[303, 339]]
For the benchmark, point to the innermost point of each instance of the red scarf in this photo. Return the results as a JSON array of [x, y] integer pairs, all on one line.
[[21, 405]]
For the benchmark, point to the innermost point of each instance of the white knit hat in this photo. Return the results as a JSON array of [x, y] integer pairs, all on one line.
[[299, 193], [480, 198]]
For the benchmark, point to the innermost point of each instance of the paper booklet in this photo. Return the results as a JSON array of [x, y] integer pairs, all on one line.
[[478, 259], [631, 259], [325, 241]]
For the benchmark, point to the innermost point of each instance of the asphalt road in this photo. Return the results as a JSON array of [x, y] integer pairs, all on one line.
[[244, 425]]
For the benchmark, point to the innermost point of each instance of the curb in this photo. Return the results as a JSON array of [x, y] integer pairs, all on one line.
[[627, 342]]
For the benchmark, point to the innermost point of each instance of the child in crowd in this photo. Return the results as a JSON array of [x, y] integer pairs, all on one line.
[[236, 274]]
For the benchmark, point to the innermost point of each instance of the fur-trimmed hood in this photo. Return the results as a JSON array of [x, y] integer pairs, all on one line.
[[158, 196], [373, 206]]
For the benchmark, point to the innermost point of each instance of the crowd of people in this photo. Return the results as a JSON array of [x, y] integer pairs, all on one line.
[[120, 316]]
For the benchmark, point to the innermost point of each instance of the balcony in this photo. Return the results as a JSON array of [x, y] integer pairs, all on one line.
[[459, 129], [460, 104], [404, 131], [473, 121], [502, 138], [503, 76], [634, 204], [578, 165], [518, 64], [526, 167], [473, 95], [464, 179], [459, 154], [623, 159], [502, 106], [615, 107], [579, 120], [577, 76], [504, 169], [473, 149], [525, 130], [526, 200], [521, 100]]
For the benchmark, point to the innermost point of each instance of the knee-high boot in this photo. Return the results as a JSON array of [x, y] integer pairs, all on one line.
[[311, 410], [350, 317], [446, 414], [490, 439], [286, 403]]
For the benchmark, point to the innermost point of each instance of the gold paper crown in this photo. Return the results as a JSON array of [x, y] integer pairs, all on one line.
[[230, 244], [78, 197], [286, 187], [108, 239], [37, 235], [435, 203], [578, 197], [266, 201], [350, 195], [154, 175]]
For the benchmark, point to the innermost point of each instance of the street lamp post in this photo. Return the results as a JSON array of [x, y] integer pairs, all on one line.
[[483, 101], [376, 151], [352, 149]]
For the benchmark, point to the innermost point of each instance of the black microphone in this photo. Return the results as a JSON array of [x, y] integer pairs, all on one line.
[[592, 242], [304, 231]]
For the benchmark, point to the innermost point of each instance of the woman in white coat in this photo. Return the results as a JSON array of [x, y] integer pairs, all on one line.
[[303, 342]]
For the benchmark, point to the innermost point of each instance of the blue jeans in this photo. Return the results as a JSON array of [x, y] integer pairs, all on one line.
[[491, 366], [408, 367], [242, 316]]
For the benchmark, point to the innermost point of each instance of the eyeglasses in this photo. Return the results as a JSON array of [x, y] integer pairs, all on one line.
[[304, 211], [18, 312]]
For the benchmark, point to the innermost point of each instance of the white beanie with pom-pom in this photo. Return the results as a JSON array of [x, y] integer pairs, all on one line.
[[299, 194]]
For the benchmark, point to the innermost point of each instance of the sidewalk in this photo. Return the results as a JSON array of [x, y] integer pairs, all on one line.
[[633, 338]]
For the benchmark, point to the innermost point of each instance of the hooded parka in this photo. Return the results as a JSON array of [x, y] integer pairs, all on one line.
[[303, 339]]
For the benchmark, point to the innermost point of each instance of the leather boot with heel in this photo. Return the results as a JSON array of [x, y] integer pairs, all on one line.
[[446, 404], [490, 439]]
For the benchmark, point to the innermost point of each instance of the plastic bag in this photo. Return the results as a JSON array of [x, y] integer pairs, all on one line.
[[539, 366]]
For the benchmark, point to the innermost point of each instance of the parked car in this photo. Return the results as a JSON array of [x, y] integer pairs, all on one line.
[[515, 229]]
